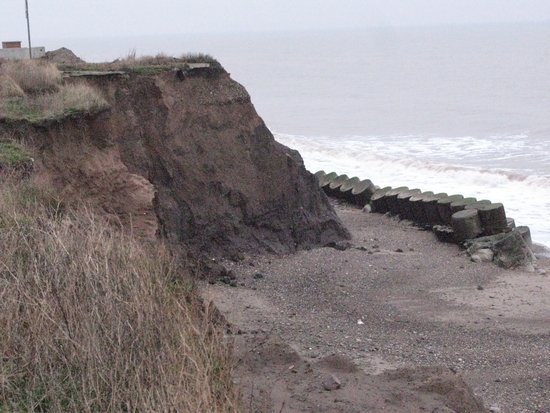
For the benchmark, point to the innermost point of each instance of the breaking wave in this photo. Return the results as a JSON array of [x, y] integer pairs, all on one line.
[[502, 169]]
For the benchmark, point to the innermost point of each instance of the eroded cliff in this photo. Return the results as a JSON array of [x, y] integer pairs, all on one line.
[[183, 154]]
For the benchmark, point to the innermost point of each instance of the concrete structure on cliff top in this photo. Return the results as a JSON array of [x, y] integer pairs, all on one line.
[[12, 50]]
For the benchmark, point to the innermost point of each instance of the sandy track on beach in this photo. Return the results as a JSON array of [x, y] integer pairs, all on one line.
[[398, 298]]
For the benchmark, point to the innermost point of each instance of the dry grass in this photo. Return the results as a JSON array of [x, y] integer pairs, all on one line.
[[69, 99], [9, 88], [33, 76], [93, 321], [148, 64]]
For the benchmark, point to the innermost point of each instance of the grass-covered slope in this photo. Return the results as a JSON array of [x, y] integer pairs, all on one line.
[[92, 320], [34, 91]]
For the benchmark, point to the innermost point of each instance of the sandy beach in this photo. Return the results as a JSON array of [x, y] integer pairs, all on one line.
[[395, 298]]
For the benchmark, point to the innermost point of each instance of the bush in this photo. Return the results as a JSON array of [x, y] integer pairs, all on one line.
[[93, 321]]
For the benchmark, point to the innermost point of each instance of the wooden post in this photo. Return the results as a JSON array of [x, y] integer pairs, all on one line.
[[430, 208], [334, 186], [28, 27], [461, 204], [378, 200], [346, 188], [362, 192], [391, 199], [403, 203], [325, 180], [466, 225], [444, 208], [493, 218], [417, 207]]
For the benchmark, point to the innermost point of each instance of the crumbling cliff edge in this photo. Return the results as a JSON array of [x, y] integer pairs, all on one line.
[[182, 154]]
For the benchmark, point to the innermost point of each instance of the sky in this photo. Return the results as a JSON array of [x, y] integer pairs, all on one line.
[[61, 19]]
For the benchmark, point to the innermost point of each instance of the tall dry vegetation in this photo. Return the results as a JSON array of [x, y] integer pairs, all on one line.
[[33, 90], [93, 321], [33, 76]]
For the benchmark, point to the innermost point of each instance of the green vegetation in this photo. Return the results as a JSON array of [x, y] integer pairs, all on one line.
[[93, 320], [147, 65], [33, 91], [13, 155]]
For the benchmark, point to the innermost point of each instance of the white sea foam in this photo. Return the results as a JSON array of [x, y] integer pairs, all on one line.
[[452, 165]]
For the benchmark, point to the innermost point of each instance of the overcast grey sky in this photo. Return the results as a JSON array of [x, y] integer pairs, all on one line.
[[87, 18]]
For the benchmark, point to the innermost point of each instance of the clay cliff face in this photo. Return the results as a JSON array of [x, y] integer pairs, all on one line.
[[184, 156]]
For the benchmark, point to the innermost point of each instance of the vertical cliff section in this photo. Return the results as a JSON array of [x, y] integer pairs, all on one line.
[[184, 155]]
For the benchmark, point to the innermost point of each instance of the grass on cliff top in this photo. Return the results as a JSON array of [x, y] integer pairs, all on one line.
[[147, 64], [94, 321], [34, 91]]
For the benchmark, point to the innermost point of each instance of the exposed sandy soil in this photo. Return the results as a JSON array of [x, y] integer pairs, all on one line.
[[385, 309]]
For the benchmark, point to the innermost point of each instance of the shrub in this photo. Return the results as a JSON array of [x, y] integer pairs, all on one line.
[[33, 76], [93, 321]]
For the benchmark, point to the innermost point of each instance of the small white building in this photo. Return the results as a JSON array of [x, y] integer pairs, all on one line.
[[12, 50]]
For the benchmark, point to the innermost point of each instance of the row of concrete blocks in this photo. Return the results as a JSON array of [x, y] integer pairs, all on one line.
[[453, 218]]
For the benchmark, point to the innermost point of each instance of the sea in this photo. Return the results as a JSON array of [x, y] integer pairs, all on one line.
[[457, 109]]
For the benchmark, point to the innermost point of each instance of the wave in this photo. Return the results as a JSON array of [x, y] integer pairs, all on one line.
[[387, 161]]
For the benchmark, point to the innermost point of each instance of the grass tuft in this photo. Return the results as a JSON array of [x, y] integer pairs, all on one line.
[[33, 76], [94, 321], [9, 88]]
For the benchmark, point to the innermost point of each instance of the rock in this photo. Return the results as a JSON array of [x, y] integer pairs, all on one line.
[[259, 276], [512, 252], [444, 233], [367, 209], [483, 255], [237, 257], [510, 249], [331, 383], [339, 245], [494, 409], [399, 250], [480, 288]]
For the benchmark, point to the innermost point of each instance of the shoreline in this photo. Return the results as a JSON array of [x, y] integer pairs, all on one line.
[[397, 298]]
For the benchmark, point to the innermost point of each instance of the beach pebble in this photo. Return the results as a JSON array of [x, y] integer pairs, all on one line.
[[483, 255], [331, 383]]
